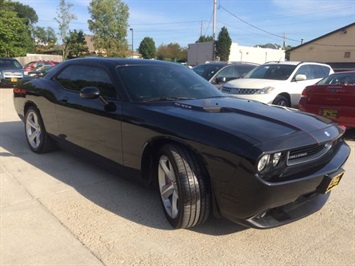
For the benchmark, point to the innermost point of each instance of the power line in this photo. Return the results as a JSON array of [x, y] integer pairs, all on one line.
[[280, 36]]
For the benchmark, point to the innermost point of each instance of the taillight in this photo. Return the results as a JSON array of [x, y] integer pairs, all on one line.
[[18, 91]]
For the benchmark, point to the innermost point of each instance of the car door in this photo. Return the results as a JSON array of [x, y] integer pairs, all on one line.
[[313, 74], [85, 122]]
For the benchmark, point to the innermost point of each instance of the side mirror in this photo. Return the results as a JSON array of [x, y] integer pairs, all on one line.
[[90, 93], [300, 77], [221, 80], [94, 93]]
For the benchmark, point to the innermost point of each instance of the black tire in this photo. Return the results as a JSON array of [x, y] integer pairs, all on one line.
[[281, 100], [183, 186], [36, 135]]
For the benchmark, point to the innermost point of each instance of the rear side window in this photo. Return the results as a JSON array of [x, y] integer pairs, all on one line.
[[326, 70], [76, 77], [318, 71]]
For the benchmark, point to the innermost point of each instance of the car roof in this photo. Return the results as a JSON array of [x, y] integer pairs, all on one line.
[[352, 72], [114, 61], [224, 63], [294, 63], [8, 58]]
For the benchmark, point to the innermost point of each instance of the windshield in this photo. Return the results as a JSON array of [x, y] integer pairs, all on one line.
[[9, 64], [207, 71], [338, 79], [275, 72], [164, 82]]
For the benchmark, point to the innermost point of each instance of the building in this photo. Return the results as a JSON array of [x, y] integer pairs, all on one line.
[[199, 53], [336, 48]]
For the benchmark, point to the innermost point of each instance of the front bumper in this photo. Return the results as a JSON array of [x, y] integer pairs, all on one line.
[[9, 82], [248, 201]]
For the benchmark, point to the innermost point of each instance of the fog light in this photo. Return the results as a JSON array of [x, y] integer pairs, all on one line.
[[263, 162]]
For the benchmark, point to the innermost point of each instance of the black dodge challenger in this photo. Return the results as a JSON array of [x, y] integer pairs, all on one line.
[[255, 164]]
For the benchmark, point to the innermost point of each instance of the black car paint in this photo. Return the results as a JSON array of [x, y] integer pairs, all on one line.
[[223, 132]]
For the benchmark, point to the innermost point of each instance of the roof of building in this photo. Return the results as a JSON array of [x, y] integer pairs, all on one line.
[[328, 34]]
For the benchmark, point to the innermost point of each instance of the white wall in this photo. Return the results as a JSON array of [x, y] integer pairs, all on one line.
[[34, 57], [199, 53], [255, 54]]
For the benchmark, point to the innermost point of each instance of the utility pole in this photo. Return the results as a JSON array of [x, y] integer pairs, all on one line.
[[131, 29], [214, 30]]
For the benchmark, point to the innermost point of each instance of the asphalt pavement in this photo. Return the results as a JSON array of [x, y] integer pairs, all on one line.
[[57, 209]]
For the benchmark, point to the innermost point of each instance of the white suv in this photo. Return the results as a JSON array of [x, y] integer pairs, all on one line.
[[279, 83]]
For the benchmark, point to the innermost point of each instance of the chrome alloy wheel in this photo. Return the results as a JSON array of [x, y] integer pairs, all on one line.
[[168, 187], [33, 130]]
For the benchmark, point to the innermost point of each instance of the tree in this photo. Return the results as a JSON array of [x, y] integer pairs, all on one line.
[[44, 38], [76, 44], [223, 44], [172, 52], [64, 19], [25, 12], [268, 45], [13, 34], [15, 29], [109, 24], [204, 38], [147, 48]]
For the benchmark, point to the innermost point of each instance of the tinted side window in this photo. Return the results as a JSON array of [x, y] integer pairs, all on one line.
[[305, 70], [326, 70], [228, 72], [318, 72], [242, 70], [76, 77]]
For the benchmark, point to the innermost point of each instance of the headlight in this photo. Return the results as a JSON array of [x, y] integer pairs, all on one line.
[[263, 162], [276, 158], [265, 90], [269, 161]]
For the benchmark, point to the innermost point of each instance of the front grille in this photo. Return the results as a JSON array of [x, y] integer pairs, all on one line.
[[306, 154], [239, 91], [12, 74]]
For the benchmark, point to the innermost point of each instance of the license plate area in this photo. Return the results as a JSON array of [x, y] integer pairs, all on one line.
[[13, 79], [330, 113], [330, 182]]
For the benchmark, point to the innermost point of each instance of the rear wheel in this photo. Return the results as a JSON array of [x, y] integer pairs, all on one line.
[[183, 186], [281, 100], [36, 135]]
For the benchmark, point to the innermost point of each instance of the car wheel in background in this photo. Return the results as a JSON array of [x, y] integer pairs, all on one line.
[[183, 186], [36, 135], [281, 100]]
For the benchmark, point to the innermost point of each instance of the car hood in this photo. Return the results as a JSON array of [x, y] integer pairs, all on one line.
[[252, 121], [253, 83]]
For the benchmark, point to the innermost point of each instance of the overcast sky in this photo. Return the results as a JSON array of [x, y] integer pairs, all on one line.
[[249, 22]]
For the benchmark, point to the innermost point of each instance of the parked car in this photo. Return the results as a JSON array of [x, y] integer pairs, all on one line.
[[11, 72], [254, 164], [218, 73], [332, 97], [279, 83], [38, 64], [39, 71]]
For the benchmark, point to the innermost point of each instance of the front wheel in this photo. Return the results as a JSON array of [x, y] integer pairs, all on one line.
[[281, 100], [184, 188], [36, 135]]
